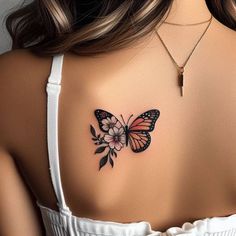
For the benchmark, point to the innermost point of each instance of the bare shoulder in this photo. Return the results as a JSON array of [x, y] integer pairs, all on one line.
[[19, 63], [20, 72], [225, 38], [222, 53], [21, 66]]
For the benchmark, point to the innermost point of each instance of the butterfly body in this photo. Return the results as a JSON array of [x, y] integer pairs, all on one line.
[[126, 135]]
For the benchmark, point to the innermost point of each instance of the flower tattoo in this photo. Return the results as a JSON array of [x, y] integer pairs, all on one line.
[[109, 122], [115, 138]]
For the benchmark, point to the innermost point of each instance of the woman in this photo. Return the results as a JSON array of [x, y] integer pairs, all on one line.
[[137, 101]]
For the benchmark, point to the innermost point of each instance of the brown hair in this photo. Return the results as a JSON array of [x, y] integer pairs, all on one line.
[[49, 27]]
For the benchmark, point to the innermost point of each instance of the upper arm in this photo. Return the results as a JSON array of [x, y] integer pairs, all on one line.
[[19, 215]]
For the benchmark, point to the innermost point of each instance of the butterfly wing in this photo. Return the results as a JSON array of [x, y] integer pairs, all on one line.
[[138, 133], [146, 121], [139, 141], [101, 115]]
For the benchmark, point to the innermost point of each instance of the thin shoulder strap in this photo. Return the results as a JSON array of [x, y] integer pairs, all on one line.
[[53, 90]]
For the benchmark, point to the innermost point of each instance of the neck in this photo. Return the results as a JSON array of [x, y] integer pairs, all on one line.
[[188, 11]]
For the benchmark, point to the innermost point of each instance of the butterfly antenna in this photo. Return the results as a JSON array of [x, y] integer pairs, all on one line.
[[122, 118], [129, 119]]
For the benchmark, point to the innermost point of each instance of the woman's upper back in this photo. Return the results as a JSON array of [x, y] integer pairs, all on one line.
[[187, 172]]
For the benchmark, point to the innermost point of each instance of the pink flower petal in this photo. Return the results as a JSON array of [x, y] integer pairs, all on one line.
[[115, 130], [122, 138], [108, 138], [120, 131], [105, 127], [118, 124], [104, 121], [112, 144], [118, 146], [111, 131], [113, 119]]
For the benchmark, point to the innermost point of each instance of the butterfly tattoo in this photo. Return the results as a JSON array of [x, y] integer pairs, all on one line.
[[117, 135]]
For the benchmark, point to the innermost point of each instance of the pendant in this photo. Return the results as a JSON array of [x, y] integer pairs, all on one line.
[[181, 79]]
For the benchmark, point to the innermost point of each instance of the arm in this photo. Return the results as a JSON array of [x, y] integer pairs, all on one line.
[[18, 214]]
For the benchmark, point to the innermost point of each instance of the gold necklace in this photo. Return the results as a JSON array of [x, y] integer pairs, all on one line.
[[198, 23], [180, 69]]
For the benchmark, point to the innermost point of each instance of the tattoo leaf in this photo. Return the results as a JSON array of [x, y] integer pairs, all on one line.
[[92, 130], [103, 161], [111, 161], [115, 154], [100, 149]]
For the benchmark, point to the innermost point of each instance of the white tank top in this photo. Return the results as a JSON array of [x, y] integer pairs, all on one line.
[[64, 223]]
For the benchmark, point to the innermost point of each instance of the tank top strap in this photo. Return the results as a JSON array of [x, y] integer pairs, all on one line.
[[53, 90]]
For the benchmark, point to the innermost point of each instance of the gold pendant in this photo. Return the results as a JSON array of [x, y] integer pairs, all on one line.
[[181, 79]]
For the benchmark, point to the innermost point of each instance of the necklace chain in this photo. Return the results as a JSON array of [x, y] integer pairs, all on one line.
[[190, 52], [180, 69], [199, 23]]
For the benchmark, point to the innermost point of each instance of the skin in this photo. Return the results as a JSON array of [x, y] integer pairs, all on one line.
[[187, 173]]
